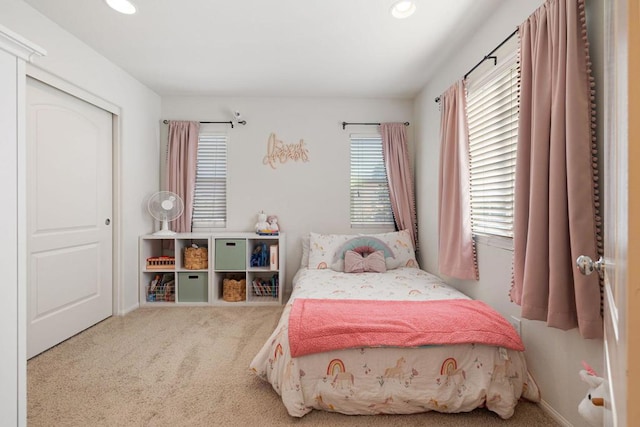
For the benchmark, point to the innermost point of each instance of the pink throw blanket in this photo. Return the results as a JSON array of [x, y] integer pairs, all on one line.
[[317, 325]]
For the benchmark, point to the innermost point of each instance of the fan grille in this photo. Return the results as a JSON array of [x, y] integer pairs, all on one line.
[[165, 206]]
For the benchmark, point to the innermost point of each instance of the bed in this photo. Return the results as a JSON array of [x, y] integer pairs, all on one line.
[[364, 336]]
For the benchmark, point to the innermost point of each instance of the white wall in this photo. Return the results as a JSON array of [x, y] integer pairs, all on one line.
[[312, 196], [73, 61], [75, 64], [305, 196], [554, 356]]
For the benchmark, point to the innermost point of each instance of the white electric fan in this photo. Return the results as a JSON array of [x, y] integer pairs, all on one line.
[[165, 206]]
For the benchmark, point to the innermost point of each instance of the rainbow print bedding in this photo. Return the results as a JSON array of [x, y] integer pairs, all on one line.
[[381, 378]]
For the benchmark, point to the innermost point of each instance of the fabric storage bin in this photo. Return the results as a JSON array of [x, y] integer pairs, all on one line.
[[193, 287], [196, 258], [234, 289], [230, 254]]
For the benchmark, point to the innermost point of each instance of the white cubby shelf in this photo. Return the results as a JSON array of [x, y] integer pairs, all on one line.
[[164, 280]]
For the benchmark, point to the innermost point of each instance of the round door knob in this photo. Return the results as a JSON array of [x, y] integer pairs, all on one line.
[[587, 266], [107, 221]]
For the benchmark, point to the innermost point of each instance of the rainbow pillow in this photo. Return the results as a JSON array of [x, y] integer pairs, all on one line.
[[327, 250]]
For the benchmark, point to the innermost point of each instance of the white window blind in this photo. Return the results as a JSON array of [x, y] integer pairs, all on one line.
[[370, 204], [210, 198], [492, 113]]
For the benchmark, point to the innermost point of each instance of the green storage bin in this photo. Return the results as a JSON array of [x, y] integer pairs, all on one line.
[[193, 287], [231, 254]]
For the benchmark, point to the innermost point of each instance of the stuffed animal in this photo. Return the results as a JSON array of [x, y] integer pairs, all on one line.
[[273, 223], [592, 406], [262, 223]]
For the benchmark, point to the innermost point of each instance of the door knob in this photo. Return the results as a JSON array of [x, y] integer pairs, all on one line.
[[107, 221], [587, 266]]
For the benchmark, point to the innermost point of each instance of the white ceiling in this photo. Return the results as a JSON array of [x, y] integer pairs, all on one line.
[[343, 48]]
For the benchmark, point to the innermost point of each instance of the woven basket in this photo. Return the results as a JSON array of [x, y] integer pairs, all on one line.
[[196, 258], [234, 290]]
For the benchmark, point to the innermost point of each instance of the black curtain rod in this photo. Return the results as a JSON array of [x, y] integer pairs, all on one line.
[[488, 56], [241, 122], [345, 124]]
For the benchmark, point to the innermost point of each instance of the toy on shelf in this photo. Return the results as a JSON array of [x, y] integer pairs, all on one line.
[[273, 223], [591, 408], [262, 223], [267, 226], [161, 263]]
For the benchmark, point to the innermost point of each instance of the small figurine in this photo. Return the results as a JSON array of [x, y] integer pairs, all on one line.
[[262, 223], [273, 223]]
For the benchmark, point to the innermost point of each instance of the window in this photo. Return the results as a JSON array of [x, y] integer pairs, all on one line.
[[210, 199], [492, 114], [370, 204]]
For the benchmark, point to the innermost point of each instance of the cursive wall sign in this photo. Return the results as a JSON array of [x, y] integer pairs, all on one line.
[[278, 151]]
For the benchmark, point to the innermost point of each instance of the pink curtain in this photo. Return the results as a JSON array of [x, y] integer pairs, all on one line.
[[182, 154], [456, 248], [396, 161], [555, 213]]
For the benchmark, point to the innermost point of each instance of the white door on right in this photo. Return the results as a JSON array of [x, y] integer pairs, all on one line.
[[621, 179]]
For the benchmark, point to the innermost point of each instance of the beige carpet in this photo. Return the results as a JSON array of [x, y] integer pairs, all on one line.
[[188, 366]]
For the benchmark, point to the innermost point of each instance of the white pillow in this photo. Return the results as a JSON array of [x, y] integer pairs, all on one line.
[[402, 246], [304, 261], [322, 248]]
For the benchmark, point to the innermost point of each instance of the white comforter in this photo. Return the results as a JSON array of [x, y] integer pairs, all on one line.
[[452, 378]]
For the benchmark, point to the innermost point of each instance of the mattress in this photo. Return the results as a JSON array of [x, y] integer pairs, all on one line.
[[389, 379]]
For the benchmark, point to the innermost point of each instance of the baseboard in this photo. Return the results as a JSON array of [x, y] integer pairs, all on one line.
[[130, 309], [554, 414]]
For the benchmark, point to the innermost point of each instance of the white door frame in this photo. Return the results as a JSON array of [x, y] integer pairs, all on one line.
[[13, 314]]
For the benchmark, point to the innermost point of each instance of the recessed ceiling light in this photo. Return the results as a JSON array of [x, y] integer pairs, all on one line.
[[122, 6], [403, 9]]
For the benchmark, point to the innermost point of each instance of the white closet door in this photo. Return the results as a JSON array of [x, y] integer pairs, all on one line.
[[69, 205]]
